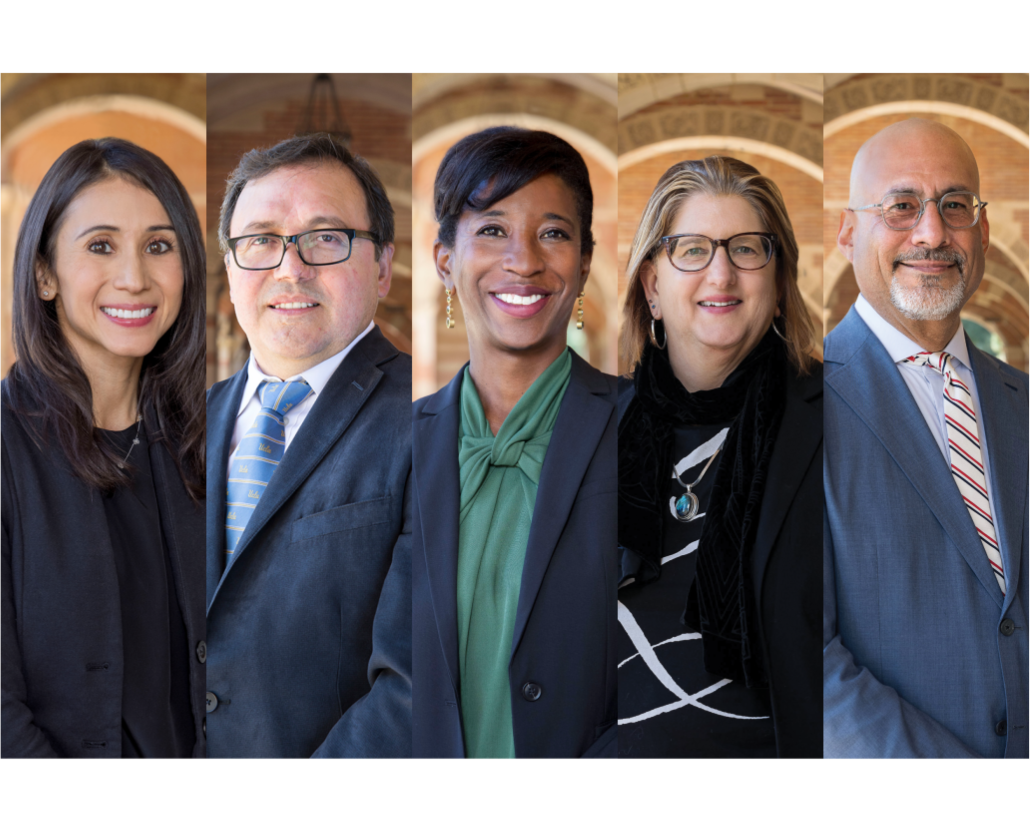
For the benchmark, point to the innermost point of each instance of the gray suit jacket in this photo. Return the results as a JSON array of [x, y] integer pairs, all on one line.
[[309, 628], [923, 655]]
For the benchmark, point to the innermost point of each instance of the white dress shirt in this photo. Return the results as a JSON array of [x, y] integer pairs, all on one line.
[[926, 384], [250, 404]]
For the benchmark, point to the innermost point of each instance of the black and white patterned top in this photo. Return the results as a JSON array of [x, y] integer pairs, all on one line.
[[669, 705]]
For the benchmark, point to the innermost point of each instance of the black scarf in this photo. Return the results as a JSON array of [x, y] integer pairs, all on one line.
[[721, 604]]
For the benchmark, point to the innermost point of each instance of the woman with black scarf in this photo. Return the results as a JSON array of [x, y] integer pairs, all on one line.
[[720, 477]]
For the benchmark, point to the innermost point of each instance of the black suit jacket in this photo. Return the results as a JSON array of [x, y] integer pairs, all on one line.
[[62, 618], [564, 639], [309, 629], [787, 567]]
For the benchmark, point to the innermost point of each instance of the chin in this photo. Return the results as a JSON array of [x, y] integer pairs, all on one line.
[[928, 303]]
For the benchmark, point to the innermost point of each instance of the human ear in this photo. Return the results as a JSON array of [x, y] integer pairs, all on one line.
[[649, 280], [584, 270], [385, 270], [442, 256], [846, 235], [46, 286], [985, 232]]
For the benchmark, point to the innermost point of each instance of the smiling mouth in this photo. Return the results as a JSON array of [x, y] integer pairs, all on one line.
[[519, 300], [128, 314], [298, 305], [720, 303]]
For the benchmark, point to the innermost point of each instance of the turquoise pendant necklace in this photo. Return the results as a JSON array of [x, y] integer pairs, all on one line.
[[684, 508]]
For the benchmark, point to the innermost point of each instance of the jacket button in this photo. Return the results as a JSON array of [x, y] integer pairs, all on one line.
[[202, 651], [1008, 627], [1001, 728], [531, 691], [211, 701]]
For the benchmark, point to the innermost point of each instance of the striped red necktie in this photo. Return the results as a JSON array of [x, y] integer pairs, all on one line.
[[967, 465]]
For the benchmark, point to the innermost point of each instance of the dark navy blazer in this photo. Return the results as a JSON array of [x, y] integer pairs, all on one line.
[[563, 665], [309, 629], [62, 617], [923, 656]]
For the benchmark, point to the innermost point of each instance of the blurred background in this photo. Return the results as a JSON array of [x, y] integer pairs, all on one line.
[[41, 116], [772, 121], [580, 108], [989, 111], [370, 113]]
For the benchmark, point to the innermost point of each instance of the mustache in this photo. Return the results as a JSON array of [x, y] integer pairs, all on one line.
[[933, 255]]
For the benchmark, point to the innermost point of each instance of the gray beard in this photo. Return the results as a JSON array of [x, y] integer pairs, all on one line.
[[929, 301]]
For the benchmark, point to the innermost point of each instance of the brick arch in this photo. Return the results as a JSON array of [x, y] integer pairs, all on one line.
[[978, 98], [30, 94], [640, 90]]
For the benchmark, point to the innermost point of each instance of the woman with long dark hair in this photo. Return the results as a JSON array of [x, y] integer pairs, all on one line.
[[103, 464]]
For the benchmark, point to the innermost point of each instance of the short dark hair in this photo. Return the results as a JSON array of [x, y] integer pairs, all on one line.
[[488, 166], [48, 382], [302, 150]]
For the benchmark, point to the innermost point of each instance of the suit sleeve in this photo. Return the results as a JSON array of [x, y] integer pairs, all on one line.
[[379, 724], [862, 717], [21, 736]]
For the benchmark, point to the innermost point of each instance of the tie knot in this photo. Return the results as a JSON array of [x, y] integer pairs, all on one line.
[[282, 396], [939, 361]]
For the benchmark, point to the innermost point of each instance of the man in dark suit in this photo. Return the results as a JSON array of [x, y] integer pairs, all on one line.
[[309, 462], [925, 544]]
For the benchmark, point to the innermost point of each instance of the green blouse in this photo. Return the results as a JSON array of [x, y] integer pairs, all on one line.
[[498, 478]]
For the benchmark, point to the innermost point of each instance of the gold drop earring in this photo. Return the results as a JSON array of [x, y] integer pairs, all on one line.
[[449, 323], [579, 315]]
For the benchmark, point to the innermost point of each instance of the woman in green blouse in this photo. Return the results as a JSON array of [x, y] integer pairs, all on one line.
[[514, 572]]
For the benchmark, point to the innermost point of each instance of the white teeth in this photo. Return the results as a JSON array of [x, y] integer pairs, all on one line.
[[128, 313], [520, 300], [720, 303], [293, 305]]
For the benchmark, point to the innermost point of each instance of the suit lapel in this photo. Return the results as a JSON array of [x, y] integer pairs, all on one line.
[[334, 409], [799, 437], [577, 431], [868, 382], [1004, 414], [435, 465], [221, 420]]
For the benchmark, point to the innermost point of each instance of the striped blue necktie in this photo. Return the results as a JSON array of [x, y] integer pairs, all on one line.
[[258, 455]]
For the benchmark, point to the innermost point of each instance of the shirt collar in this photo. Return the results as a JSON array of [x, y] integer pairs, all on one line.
[[317, 377], [898, 345]]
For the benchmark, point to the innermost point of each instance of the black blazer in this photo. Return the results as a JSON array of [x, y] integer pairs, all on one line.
[[787, 567], [309, 645], [563, 666], [62, 620]]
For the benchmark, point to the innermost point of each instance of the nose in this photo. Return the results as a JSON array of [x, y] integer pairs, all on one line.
[[523, 255], [931, 230], [720, 271], [134, 276], [292, 267]]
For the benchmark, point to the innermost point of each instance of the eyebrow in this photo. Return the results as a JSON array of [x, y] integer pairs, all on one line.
[[114, 229], [911, 189], [547, 216], [313, 223]]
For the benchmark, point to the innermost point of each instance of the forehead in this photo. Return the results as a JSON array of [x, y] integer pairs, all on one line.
[[547, 194], [114, 201], [927, 163], [291, 199], [716, 216]]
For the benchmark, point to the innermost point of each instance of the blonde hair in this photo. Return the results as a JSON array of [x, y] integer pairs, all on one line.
[[716, 176]]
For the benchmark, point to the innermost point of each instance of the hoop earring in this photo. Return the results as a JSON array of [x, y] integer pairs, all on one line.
[[449, 322], [654, 339], [774, 329], [579, 317]]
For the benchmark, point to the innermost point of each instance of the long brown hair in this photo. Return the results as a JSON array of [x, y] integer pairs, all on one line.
[[716, 176], [47, 381]]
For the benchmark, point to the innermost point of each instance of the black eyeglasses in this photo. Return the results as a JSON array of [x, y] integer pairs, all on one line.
[[693, 252], [902, 211], [321, 247]]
